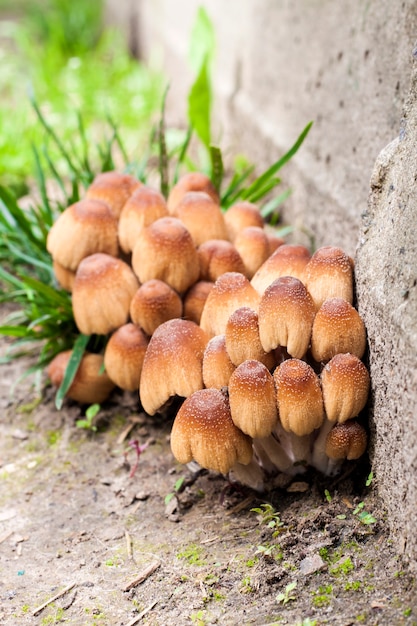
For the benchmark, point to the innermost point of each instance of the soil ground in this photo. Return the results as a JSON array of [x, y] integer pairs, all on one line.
[[73, 519]]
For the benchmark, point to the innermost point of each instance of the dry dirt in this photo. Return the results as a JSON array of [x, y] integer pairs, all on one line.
[[91, 544]]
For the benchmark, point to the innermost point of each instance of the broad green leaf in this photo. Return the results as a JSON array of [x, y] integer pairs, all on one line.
[[202, 40], [78, 350], [199, 104]]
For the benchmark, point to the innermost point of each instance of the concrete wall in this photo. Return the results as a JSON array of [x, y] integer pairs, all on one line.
[[347, 65]]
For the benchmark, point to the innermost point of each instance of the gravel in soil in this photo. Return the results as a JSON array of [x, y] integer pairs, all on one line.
[[87, 538]]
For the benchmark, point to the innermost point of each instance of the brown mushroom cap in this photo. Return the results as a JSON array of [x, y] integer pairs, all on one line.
[[346, 441], [86, 227], [242, 338], [216, 257], [203, 431], [64, 276], [241, 215], [113, 188], [195, 299], [202, 217], [299, 397], [102, 291], [124, 355], [172, 364], [165, 250], [90, 383], [252, 243], [252, 399], [286, 314], [287, 260], [217, 366], [154, 303], [337, 328], [144, 206], [192, 181], [345, 383], [329, 274], [230, 292]]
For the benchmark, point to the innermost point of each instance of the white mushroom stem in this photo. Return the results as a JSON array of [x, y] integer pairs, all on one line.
[[250, 475], [319, 459], [272, 455], [333, 467], [301, 448]]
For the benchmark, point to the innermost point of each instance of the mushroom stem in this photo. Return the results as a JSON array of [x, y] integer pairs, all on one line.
[[333, 467], [319, 459], [301, 448], [250, 475], [272, 455]]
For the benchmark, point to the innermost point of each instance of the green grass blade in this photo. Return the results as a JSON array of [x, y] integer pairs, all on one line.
[[182, 154], [163, 155], [273, 204], [199, 104], [217, 169], [271, 171], [52, 295], [78, 350], [234, 188]]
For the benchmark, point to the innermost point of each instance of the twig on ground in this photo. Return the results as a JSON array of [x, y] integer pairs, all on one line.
[[142, 576], [128, 545], [139, 617], [6, 535], [58, 595]]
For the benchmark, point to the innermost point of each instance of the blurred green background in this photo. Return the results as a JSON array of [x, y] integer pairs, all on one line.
[[61, 53]]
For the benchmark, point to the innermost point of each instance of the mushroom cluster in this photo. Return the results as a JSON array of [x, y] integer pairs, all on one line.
[[258, 338]]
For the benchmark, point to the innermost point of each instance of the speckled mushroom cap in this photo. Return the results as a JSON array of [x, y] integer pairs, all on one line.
[[242, 338], [124, 355], [165, 250], [241, 215], [101, 295], [287, 260], [346, 441], [195, 299], [201, 216], [86, 227], [329, 274], [203, 431], [299, 397], [154, 303], [231, 291], [252, 399], [345, 384], [90, 383], [143, 207], [192, 181], [113, 188], [286, 314], [217, 256], [172, 364], [217, 366], [253, 245], [337, 328]]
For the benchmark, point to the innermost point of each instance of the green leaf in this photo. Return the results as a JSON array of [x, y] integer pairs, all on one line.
[[199, 105], [78, 350], [163, 155], [202, 40], [272, 205], [216, 167]]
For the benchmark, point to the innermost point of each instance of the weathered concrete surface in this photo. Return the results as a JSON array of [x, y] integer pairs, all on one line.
[[387, 294]]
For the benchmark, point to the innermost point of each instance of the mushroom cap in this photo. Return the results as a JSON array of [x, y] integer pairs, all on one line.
[[274, 241], [217, 366], [165, 250], [346, 441], [329, 274], [113, 188], [90, 383], [154, 303], [299, 397], [252, 399], [286, 314], [143, 207], [337, 328], [172, 364], [287, 260], [345, 384], [195, 299], [203, 431], [192, 181], [124, 355], [252, 243], [101, 295], [86, 227], [242, 338], [230, 291], [63, 275], [202, 217], [216, 257], [241, 215]]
